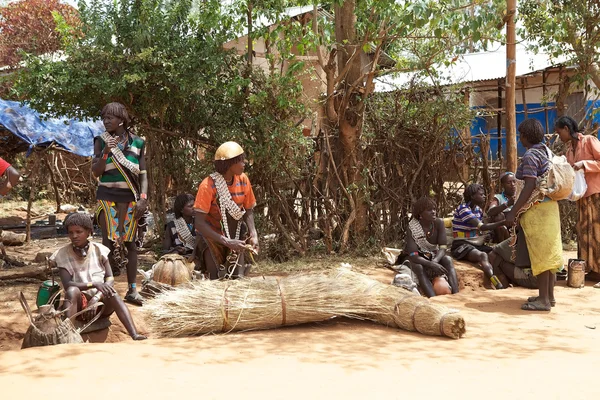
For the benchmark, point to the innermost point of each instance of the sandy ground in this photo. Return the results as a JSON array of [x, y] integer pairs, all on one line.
[[506, 352]]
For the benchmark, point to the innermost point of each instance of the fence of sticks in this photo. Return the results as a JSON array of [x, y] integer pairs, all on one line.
[[205, 307]]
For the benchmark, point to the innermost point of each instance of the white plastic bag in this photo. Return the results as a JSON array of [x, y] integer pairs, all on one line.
[[579, 187]]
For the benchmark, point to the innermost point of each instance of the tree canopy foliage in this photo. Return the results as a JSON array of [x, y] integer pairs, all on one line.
[[565, 29], [29, 26], [165, 61]]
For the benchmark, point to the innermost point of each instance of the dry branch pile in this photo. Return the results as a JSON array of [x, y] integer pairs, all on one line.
[[267, 302]]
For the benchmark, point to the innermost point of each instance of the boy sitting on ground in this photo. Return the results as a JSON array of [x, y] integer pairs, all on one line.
[[467, 228], [87, 277]]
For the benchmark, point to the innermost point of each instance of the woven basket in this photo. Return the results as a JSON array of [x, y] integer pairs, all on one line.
[[49, 328]]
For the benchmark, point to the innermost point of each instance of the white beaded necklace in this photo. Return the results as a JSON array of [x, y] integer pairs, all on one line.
[[226, 204]]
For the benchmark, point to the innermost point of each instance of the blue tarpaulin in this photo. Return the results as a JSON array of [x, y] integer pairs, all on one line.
[[73, 135]]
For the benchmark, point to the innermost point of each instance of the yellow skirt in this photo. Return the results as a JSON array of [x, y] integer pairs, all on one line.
[[541, 226]]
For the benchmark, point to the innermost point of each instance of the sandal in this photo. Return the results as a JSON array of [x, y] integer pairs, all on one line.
[[535, 306], [134, 298], [597, 285], [533, 299]]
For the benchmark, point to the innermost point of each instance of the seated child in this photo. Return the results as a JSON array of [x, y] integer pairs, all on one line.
[[502, 203], [467, 227], [180, 235], [86, 275], [426, 249]]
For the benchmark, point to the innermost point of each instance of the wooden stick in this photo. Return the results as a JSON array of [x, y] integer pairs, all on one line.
[[39, 272]]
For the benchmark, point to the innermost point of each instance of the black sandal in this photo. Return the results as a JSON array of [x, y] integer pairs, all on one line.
[[535, 306], [534, 298], [134, 298]]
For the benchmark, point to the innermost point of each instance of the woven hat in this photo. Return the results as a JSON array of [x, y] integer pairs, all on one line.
[[227, 151]]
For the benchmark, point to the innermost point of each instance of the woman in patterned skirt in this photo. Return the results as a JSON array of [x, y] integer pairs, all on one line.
[[583, 153], [122, 194]]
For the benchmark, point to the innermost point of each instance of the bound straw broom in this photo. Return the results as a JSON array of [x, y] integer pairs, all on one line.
[[267, 302]]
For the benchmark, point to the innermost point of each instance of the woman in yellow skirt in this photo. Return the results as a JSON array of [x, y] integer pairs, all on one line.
[[538, 216]]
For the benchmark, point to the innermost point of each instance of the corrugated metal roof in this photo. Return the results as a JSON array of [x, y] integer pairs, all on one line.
[[474, 67]]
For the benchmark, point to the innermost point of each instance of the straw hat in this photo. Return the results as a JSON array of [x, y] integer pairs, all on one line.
[[227, 151]]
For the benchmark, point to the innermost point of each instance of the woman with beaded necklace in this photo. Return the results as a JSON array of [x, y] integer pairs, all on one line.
[[122, 194], [180, 233], [426, 250], [224, 218]]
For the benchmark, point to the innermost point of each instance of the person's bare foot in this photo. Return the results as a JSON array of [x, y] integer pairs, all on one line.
[[138, 336]]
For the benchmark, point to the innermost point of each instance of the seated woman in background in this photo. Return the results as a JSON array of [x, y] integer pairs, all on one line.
[[467, 224], [502, 203], [426, 249], [86, 275], [180, 235]]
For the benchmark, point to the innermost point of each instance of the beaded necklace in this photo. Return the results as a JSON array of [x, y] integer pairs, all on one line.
[[227, 205], [82, 250]]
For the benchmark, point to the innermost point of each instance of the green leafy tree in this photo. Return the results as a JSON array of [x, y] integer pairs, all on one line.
[[565, 29], [165, 61], [30, 26], [350, 46]]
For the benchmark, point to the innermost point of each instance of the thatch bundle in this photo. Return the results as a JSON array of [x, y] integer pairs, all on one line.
[[263, 303]]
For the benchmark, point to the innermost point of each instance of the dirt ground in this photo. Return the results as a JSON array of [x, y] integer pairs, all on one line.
[[506, 352]]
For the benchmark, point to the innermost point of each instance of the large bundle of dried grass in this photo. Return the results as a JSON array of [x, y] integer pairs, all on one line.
[[263, 303], [396, 307]]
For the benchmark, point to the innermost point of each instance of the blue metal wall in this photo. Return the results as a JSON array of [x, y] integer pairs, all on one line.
[[479, 124]]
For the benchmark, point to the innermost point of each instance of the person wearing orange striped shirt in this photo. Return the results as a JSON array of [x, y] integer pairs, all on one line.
[[224, 220]]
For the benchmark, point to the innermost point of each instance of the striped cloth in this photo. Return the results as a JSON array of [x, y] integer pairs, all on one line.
[[460, 221], [534, 162], [112, 185]]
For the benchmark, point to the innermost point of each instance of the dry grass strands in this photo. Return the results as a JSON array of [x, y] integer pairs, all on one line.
[[396, 307], [263, 303]]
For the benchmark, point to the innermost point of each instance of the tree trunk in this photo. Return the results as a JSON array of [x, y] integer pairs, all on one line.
[[564, 88], [511, 63], [350, 79]]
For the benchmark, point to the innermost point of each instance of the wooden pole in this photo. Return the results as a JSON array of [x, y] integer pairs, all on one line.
[[466, 134], [544, 78], [511, 63], [499, 122], [250, 47], [33, 186], [53, 180], [523, 90]]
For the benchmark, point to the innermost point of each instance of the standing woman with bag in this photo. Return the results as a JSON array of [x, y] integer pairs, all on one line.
[[538, 215], [583, 153], [122, 191]]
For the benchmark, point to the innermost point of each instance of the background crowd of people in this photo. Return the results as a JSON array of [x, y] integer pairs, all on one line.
[[523, 226]]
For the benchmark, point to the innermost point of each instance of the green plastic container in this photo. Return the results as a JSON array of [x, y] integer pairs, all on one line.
[[46, 291]]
